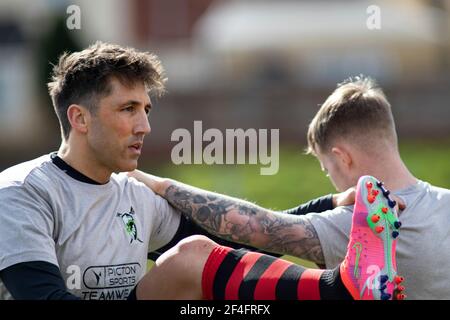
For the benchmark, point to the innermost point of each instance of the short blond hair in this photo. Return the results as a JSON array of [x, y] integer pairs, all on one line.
[[356, 108]]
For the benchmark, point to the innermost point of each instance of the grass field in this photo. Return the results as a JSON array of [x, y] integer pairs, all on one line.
[[299, 178]]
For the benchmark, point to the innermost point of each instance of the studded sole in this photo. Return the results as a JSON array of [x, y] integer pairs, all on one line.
[[382, 220]]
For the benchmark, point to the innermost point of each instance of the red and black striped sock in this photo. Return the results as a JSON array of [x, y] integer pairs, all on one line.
[[244, 275]]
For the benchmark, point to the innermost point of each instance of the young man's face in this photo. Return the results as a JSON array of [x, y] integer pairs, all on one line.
[[118, 126], [338, 174]]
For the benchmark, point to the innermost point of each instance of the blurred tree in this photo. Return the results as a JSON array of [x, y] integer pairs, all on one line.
[[442, 27], [52, 44]]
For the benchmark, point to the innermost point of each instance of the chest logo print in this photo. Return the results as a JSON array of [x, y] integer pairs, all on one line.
[[130, 225]]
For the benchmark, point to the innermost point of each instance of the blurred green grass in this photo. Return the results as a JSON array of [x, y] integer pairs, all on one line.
[[300, 178]]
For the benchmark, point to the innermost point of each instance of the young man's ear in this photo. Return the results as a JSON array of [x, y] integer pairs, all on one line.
[[78, 117], [342, 156]]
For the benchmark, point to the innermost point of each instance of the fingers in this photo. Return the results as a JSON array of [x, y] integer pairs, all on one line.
[[400, 203], [131, 173], [344, 198]]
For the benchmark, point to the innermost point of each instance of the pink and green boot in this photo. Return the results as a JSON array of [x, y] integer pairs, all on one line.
[[369, 270]]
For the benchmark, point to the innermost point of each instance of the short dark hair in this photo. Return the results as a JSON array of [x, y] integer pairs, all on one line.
[[356, 109], [84, 77]]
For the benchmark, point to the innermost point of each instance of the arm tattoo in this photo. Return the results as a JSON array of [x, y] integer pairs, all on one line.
[[240, 221]]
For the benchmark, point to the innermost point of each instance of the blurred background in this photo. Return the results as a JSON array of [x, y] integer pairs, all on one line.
[[240, 64]]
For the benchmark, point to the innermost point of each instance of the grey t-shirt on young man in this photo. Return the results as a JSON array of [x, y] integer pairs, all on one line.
[[423, 247], [98, 235]]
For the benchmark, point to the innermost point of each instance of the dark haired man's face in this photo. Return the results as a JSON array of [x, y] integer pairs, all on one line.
[[118, 127]]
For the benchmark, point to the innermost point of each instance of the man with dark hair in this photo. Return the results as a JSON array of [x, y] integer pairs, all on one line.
[[70, 227], [352, 135], [85, 77], [66, 221]]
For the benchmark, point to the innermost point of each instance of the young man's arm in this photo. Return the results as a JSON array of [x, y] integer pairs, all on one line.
[[240, 221], [325, 203]]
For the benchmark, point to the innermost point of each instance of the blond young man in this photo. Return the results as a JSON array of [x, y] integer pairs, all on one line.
[[352, 135]]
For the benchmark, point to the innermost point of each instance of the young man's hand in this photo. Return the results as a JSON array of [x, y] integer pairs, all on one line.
[[400, 206], [347, 198]]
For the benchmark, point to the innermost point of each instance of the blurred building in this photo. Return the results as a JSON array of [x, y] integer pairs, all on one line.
[[235, 63]]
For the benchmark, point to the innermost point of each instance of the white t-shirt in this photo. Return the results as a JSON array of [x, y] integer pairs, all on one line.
[[98, 235]]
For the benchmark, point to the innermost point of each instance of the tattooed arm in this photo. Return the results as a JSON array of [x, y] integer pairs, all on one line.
[[240, 221]]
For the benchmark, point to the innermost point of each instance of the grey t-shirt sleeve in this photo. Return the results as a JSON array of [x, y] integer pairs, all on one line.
[[167, 220], [333, 229], [26, 227]]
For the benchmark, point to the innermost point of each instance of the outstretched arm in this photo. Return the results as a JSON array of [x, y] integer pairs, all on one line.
[[240, 221]]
